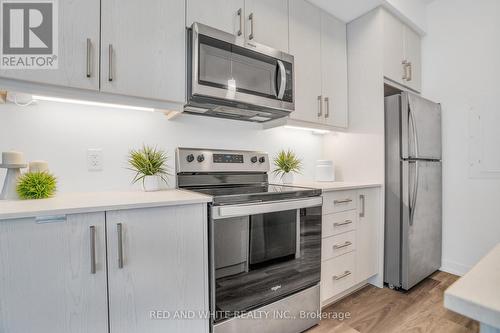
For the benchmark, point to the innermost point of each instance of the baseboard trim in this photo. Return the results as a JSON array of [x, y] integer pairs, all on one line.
[[454, 268]]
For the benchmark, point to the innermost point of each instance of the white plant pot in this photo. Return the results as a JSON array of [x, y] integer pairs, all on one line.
[[287, 178], [151, 183]]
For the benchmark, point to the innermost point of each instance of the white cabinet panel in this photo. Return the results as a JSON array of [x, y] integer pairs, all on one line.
[[305, 46], [334, 70], [337, 275], [46, 280], [270, 23], [413, 56], [220, 14], [78, 21], [394, 52], [164, 268], [146, 46], [367, 257]]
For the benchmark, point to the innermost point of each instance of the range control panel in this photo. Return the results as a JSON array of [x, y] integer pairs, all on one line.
[[212, 160]]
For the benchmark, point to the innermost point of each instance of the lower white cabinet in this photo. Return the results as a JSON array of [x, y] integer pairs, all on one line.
[[350, 240], [47, 280]]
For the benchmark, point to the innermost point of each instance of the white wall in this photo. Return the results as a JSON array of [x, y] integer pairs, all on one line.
[[461, 70], [62, 133]]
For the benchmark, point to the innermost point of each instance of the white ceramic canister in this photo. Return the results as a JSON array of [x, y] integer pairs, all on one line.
[[325, 171]]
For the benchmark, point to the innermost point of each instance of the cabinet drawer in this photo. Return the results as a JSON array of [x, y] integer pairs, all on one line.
[[337, 223], [337, 275], [340, 201], [335, 246]]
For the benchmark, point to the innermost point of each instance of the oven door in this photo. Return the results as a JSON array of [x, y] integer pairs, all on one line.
[[260, 255], [225, 68]]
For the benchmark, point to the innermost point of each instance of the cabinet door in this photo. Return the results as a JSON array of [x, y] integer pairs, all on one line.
[[394, 54], [413, 55], [334, 70], [47, 282], [367, 229], [267, 23], [305, 46], [163, 268], [78, 22], [143, 49], [225, 15]]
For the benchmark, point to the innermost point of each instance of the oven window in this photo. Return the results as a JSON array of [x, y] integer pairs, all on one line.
[[262, 258]]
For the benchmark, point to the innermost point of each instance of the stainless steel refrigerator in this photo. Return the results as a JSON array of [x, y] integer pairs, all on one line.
[[413, 194]]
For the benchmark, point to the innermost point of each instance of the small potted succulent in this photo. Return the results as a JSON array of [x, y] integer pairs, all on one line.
[[149, 165], [286, 163], [36, 185]]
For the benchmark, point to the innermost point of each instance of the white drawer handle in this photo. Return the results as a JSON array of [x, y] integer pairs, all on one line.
[[339, 224], [342, 201], [339, 246], [338, 277]]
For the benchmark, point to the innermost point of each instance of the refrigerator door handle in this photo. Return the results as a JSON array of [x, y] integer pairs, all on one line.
[[413, 199], [414, 130]]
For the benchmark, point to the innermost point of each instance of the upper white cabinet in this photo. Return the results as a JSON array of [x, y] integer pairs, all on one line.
[[157, 262], [78, 51], [318, 43], [402, 53], [260, 21], [53, 275], [143, 49]]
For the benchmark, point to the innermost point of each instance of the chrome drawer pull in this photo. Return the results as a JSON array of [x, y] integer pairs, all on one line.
[[119, 231], [337, 246], [342, 201], [92, 250], [338, 277], [339, 224]]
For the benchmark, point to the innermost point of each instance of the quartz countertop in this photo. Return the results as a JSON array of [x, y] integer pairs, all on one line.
[[477, 294], [73, 203], [336, 186]]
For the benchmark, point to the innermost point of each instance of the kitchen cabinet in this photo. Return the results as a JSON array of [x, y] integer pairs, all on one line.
[[402, 53], [143, 49], [50, 280], [225, 15], [156, 263], [318, 43], [367, 254], [78, 49]]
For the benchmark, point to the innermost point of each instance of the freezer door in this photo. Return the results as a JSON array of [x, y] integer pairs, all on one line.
[[420, 128], [421, 222]]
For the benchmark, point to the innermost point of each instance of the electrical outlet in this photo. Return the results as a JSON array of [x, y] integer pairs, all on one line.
[[94, 159]]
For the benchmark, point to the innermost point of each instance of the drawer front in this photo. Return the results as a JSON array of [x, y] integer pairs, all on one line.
[[339, 201], [338, 245], [337, 275], [337, 223]]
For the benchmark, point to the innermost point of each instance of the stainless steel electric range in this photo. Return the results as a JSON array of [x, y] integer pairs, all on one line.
[[264, 242]]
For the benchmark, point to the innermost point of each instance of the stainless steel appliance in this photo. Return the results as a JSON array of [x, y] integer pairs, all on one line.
[[264, 242], [232, 78], [413, 201]]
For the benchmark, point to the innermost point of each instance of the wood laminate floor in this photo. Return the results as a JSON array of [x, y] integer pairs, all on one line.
[[375, 310]]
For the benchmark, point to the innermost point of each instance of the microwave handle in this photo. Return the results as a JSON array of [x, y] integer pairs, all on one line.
[[282, 85]]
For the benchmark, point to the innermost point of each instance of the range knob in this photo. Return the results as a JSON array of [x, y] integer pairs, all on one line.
[[262, 159], [190, 158], [200, 158], [254, 159]]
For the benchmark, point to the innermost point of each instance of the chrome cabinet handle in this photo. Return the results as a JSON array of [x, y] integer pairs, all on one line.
[[119, 232], [336, 202], [92, 250], [240, 14], [339, 224], [89, 55], [320, 106], [409, 77], [340, 246], [338, 277], [362, 212], [327, 102], [110, 69], [405, 65], [251, 18]]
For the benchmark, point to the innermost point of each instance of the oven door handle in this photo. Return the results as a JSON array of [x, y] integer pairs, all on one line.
[[219, 212]]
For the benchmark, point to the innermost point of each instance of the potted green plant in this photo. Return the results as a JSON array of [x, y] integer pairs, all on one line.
[[36, 185], [286, 163], [150, 167]]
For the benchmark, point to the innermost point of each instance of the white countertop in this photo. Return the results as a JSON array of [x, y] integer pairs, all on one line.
[[336, 186], [477, 294], [73, 203]]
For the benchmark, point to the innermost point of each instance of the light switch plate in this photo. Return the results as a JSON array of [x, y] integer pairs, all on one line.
[[94, 159]]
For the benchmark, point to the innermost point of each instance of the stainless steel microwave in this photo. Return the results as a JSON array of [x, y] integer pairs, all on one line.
[[232, 78]]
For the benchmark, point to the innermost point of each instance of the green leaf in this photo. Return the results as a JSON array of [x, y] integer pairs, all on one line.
[[36, 185], [286, 162], [148, 161]]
